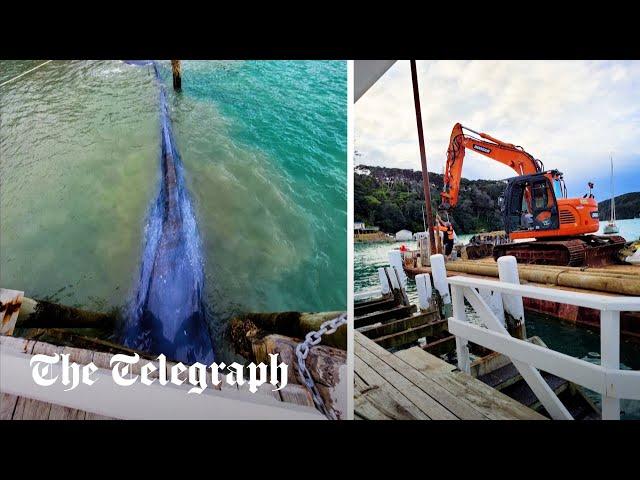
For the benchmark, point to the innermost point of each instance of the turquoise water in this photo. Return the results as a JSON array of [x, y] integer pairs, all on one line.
[[560, 336], [264, 151]]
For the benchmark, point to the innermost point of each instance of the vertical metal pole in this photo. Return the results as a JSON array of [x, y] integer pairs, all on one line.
[[610, 358], [423, 158]]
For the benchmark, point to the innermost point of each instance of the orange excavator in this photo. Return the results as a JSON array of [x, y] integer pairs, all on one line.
[[534, 207]]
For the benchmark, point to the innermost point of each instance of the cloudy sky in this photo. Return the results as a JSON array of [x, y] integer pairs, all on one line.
[[572, 115]]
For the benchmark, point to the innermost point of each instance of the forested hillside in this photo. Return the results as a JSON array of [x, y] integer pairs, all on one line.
[[392, 199], [627, 206]]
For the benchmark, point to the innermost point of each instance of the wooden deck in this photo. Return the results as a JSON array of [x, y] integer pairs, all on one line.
[[22, 408], [415, 385]]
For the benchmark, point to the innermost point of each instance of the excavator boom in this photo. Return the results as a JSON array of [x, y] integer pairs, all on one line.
[[508, 154]]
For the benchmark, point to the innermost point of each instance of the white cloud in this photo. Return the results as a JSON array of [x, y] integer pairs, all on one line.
[[570, 114]]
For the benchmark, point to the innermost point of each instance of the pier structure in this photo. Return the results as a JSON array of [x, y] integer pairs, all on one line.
[[397, 379], [617, 281], [412, 384], [46, 332], [525, 368], [606, 379]]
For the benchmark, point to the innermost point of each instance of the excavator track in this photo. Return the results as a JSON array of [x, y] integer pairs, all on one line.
[[583, 251]]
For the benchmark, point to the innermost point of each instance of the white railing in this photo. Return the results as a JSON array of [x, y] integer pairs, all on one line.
[[606, 378]]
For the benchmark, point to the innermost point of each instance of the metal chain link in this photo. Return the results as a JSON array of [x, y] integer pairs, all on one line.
[[302, 351]]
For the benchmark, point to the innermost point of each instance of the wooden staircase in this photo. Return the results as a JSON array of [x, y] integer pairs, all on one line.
[[393, 323]]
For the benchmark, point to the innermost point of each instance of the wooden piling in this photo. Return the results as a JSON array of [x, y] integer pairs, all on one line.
[[42, 314], [176, 69], [423, 284]]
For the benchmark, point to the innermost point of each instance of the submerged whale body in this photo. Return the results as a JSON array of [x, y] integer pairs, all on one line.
[[167, 314]]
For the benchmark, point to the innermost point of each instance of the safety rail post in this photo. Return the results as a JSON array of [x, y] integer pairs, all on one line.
[[610, 359], [513, 306], [462, 345]]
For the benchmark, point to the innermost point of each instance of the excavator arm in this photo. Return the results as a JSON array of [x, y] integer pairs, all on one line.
[[506, 153]]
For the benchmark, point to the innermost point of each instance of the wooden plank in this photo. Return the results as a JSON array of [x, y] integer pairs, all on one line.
[[411, 335], [30, 409], [485, 399], [298, 394], [267, 389], [393, 313], [58, 412], [100, 360], [382, 397], [442, 346], [376, 404], [8, 403], [427, 395], [7, 406], [395, 326], [376, 306], [10, 301]]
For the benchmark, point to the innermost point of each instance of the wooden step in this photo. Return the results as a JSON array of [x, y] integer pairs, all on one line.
[[380, 298], [438, 392], [411, 335], [370, 307], [521, 391], [386, 315], [441, 346], [395, 326]]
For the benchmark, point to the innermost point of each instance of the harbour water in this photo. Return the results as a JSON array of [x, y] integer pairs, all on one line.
[[561, 336], [263, 145]]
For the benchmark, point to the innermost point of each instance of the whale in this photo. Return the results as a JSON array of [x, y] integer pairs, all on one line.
[[167, 314]]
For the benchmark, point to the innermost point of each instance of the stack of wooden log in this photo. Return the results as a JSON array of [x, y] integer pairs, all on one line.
[[257, 335]]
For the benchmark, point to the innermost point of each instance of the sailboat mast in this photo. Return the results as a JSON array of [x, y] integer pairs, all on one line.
[[613, 202]]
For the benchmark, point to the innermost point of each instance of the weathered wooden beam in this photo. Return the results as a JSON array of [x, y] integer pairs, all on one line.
[[10, 303], [386, 315], [396, 326], [411, 335], [176, 70], [293, 324], [327, 366], [375, 306], [59, 336], [42, 314]]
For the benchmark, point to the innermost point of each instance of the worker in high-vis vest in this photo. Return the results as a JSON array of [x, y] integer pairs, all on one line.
[[449, 236]]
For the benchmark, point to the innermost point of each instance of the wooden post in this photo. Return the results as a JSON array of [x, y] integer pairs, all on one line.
[[610, 358], [423, 157], [513, 307], [177, 74], [462, 345], [423, 284], [385, 288], [439, 272], [395, 260]]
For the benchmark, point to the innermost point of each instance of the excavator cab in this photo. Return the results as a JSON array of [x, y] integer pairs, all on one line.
[[530, 204]]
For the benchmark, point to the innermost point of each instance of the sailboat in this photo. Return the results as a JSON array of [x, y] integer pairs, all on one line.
[[611, 226]]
